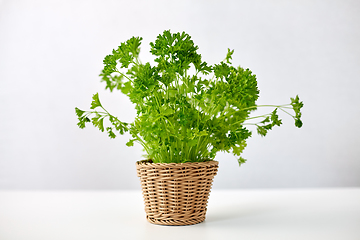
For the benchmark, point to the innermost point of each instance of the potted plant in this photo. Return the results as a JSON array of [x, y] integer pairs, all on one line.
[[187, 111]]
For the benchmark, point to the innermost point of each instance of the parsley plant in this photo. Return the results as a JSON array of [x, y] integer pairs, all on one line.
[[183, 117]]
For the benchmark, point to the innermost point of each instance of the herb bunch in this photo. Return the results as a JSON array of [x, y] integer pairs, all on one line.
[[183, 117]]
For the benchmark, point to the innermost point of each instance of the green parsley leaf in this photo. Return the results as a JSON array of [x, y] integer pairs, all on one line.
[[96, 102], [79, 112], [98, 121], [229, 56], [130, 143], [111, 134]]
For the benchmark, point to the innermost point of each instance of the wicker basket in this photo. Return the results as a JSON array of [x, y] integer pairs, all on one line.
[[176, 193]]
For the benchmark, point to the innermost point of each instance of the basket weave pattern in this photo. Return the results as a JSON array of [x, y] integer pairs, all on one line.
[[176, 193]]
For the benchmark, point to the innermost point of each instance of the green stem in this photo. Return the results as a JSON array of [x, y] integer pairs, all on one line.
[[124, 75], [287, 112], [256, 106], [265, 115]]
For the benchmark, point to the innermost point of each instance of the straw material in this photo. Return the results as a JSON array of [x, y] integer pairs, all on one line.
[[176, 193]]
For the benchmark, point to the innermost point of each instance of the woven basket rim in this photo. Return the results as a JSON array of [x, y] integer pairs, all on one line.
[[148, 162]]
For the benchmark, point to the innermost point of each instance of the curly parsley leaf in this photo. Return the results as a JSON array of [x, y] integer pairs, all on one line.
[[229, 56], [297, 105], [98, 121], [96, 102], [79, 112], [111, 134]]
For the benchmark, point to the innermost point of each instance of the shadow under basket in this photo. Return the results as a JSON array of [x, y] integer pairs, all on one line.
[[176, 193]]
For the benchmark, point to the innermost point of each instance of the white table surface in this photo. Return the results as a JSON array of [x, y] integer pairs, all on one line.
[[232, 214]]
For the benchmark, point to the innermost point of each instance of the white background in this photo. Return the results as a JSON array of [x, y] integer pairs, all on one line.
[[51, 54]]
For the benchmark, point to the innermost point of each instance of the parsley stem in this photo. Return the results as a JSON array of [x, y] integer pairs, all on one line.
[[124, 75], [265, 115], [256, 106], [287, 112], [252, 123]]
